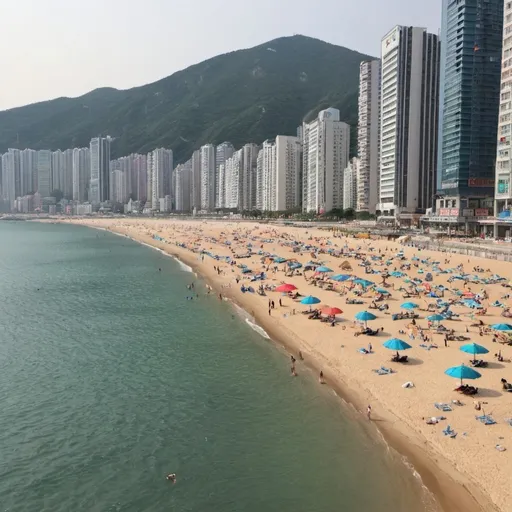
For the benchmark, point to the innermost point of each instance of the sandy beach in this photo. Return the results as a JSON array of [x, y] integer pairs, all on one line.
[[471, 470]]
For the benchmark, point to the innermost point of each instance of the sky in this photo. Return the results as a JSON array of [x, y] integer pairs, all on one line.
[[53, 48]]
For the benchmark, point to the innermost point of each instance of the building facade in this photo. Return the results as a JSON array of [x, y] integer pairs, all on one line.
[[350, 185], [81, 174], [472, 32], [207, 175], [326, 143], [408, 122], [99, 188], [222, 153], [368, 132], [44, 172]]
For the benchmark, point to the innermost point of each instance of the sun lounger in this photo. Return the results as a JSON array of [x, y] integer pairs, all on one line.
[[486, 419], [383, 371], [442, 407], [449, 432]]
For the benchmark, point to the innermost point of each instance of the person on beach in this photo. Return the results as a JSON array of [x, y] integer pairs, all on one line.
[[280, 303], [369, 412], [273, 305], [321, 378], [269, 311], [301, 356]]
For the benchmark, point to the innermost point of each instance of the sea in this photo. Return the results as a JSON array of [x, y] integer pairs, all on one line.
[[111, 378]]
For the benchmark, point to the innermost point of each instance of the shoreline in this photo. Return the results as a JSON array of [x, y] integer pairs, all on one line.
[[453, 490]]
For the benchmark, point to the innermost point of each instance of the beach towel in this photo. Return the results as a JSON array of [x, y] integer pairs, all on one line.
[[442, 407], [449, 432], [486, 419], [383, 371]]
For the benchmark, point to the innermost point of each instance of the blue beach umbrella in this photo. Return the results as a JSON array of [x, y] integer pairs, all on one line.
[[382, 290], [502, 327], [363, 282], [409, 305], [341, 277], [396, 344], [309, 300], [323, 269], [473, 348], [473, 304], [365, 316], [462, 372], [435, 318], [397, 273]]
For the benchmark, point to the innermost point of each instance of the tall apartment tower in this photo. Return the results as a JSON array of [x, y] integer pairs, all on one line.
[[368, 132], [195, 181], [207, 177], [472, 35], [160, 165], [222, 153], [81, 174], [503, 189], [183, 173], [249, 176], [44, 172], [326, 143], [409, 114], [99, 188]]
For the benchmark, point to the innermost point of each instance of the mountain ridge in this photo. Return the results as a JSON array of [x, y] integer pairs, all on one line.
[[245, 95]]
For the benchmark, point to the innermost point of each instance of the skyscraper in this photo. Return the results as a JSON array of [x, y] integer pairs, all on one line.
[[207, 177], [368, 131], [504, 153], [472, 35], [99, 189], [160, 165], [350, 185], [248, 177], [81, 173], [195, 181], [409, 113], [44, 172], [222, 153], [183, 174], [326, 142]]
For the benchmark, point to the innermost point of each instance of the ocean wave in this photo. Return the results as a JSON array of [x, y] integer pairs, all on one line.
[[258, 329], [183, 267]]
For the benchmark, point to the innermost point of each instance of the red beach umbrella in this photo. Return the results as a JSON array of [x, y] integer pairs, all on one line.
[[285, 288], [331, 311]]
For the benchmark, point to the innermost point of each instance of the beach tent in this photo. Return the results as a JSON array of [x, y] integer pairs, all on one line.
[[346, 266]]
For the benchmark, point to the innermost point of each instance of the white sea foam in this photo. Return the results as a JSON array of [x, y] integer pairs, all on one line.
[[184, 267], [258, 329]]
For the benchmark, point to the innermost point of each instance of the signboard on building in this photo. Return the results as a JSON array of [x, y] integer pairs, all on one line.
[[481, 212], [449, 212], [450, 184], [390, 41], [480, 182], [468, 212]]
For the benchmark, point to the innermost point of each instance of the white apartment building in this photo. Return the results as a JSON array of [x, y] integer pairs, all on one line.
[[234, 175], [503, 192], [81, 173], [350, 185], [11, 176], [160, 166], [99, 188], [195, 181], [44, 172], [259, 180], [249, 176], [207, 177], [268, 186], [28, 171], [326, 143], [222, 153], [183, 176], [409, 112], [368, 131]]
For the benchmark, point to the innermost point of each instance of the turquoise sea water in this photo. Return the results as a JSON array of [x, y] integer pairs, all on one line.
[[110, 379]]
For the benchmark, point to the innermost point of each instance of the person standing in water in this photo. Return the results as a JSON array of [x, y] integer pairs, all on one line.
[[369, 412]]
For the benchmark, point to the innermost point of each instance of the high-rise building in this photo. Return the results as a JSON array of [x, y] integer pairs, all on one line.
[[67, 176], [28, 171], [195, 181], [350, 185], [409, 113], [183, 174], [472, 35], [207, 177], [44, 172], [368, 131], [11, 180], [81, 174], [222, 153], [160, 166], [234, 180], [326, 143], [259, 180], [268, 174], [99, 188], [249, 176], [503, 178]]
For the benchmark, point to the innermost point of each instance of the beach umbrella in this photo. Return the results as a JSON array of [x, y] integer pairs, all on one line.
[[340, 277], [382, 290], [473, 304], [396, 273], [365, 316], [396, 344], [323, 269], [309, 300], [329, 311], [435, 318], [409, 305], [462, 372], [473, 348], [502, 327], [363, 282], [285, 288]]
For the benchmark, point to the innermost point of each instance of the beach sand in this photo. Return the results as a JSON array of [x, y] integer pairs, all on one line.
[[465, 473]]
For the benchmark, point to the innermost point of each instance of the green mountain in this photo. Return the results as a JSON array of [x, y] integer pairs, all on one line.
[[243, 96]]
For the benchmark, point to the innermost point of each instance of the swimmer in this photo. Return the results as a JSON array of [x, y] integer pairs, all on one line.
[[171, 477]]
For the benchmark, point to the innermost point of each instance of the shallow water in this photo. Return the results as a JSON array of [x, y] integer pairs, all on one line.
[[110, 379]]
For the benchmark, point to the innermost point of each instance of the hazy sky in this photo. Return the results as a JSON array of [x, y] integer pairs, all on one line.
[[52, 48]]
